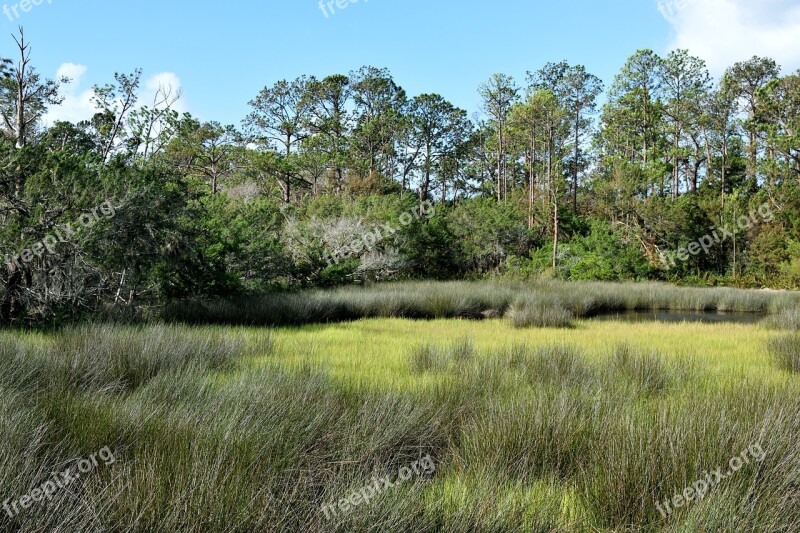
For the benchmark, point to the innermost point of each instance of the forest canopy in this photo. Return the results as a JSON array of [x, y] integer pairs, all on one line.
[[662, 173]]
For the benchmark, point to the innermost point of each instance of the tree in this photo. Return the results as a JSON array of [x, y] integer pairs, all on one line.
[[24, 95], [552, 121], [546, 124], [718, 122], [378, 120], [635, 90], [526, 126], [499, 94], [748, 78], [329, 122], [631, 140], [209, 150], [577, 91], [278, 122], [685, 83], [313, 165], [114, 102], [778, 115], [151, 128], [437, 129]]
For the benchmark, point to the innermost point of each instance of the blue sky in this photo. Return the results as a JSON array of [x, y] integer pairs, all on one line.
[[222, 54]]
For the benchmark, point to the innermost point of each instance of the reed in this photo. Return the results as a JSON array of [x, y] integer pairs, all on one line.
[[541, 304], [234, 429]]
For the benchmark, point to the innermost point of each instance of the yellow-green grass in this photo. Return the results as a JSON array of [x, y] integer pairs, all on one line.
[[550, 501], [217, 426], [375, 352]]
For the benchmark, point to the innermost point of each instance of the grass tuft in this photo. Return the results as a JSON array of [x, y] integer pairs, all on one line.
[[785, 351], [535, 311]]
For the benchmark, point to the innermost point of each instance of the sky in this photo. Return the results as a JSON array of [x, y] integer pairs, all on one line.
[[222, 54]]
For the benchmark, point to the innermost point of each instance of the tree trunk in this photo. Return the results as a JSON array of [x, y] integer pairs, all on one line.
[[288, 178], [214, 179], [21, 110], [577, 154], [675, 170], [499, 172], [644, 132], [553, 193], [532, 182], [426, 182], [23, 63], [555, 232], [11, 305]]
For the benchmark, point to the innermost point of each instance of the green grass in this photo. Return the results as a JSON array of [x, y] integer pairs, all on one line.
[[531, 429], [785, 350]]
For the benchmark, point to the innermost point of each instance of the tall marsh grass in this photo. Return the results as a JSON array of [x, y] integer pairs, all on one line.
[[537, 310], [544, 304], [524, 438], [788, 319], [430, 357], [785, 350]]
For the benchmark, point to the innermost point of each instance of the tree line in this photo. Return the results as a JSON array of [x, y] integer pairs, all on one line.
[[558, 175]]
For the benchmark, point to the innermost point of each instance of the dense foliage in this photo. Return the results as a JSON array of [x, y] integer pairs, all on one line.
[[348, 179]]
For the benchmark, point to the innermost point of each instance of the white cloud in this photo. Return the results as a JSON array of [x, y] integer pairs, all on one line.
[[78, 103], [726, 31], [71, 70], [169, 82]]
